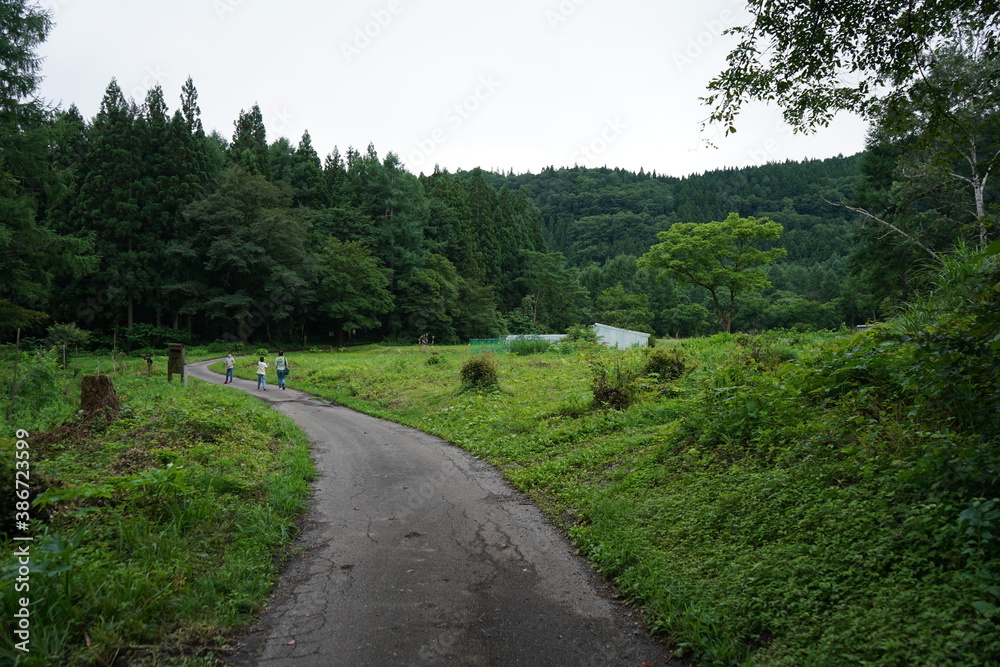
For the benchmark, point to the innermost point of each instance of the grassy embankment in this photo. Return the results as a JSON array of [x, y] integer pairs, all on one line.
[[790, 500], [156, 535]]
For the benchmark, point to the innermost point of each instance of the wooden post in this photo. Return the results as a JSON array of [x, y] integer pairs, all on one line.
[[175, 362]]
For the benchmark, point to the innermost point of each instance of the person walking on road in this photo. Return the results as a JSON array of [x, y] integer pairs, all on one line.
[[261, 374], [230, 364], [281, 367]]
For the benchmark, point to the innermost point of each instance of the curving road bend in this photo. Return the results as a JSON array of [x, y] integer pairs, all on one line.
[[414, 552]]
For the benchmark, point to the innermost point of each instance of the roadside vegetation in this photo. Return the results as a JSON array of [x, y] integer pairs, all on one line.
[[157, 530], [779, 499]]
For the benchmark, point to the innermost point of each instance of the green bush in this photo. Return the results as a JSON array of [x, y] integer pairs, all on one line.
[[666, 364], [581, 333], [479, 374], [614, 385], [764, 352], [40, 397], [67, 334]]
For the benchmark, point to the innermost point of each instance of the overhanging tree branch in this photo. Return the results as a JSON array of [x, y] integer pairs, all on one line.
[[870, 216]]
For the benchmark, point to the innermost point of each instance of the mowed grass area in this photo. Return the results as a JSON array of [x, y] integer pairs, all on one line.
[[760, 509], [158, 534]]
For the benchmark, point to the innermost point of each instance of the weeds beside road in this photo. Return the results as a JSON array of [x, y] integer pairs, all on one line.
[[156, 533]]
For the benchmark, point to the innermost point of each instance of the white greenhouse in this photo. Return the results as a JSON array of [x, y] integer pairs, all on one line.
[[620, 338]]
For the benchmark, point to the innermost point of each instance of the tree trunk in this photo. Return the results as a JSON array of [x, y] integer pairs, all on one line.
[[17, 357], [98, 393]]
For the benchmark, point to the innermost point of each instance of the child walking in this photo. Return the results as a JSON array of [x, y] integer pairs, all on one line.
[[261, 374]]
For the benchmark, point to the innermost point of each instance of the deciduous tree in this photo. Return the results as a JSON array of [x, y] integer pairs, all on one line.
[[352, 286], [721, 257]]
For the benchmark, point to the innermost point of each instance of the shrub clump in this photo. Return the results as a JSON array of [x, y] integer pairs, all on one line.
[[479, 374], [614, 386], [666, 364], [578, 333]]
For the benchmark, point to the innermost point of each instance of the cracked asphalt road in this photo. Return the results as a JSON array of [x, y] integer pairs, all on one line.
[[415, 552]]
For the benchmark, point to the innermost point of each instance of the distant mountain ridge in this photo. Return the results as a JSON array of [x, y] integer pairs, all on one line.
[[595, 214]]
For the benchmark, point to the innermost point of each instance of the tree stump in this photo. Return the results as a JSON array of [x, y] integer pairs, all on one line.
[[97, 393]]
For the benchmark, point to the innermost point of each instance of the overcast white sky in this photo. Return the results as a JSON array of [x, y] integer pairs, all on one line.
[[517, 84]]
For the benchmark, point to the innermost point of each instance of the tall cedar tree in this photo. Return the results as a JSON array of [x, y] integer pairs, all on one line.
[[248, 148], [108, 206], [306, 176]]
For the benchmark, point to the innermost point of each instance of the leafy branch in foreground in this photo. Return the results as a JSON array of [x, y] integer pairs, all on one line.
[[815, 59]]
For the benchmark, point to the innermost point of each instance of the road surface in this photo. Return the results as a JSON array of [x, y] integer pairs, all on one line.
[[415, 552]]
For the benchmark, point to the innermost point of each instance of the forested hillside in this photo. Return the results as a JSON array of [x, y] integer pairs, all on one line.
[[138, 225], [161, 230], [602, 220]]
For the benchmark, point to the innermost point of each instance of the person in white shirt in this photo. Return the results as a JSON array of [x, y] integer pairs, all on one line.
[[230, 364], [262, 374]]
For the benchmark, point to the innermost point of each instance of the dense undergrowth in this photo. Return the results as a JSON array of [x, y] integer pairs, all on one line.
[[156, 534], [790, 499]]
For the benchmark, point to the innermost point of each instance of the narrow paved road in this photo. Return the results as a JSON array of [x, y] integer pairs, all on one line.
[[415, 552]]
